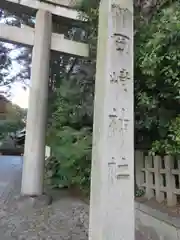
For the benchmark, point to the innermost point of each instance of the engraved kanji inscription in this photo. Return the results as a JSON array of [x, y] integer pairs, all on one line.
[[112, 171], [113, 127], [121, 78], [120, 17], [122, 171], [117, 170], [123, 124], [123, 161], [122, 42], [124, 75], [118, 126]]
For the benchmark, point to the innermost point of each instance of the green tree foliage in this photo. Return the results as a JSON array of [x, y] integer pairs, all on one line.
[[22, 54], [71, 111], [5, 59], [12, 120], [70, 130], [156, 93], [5, 65], [71, 90], [10, 126], [157, 85]]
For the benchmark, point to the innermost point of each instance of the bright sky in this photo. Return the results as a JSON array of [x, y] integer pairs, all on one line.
[[19, 95]]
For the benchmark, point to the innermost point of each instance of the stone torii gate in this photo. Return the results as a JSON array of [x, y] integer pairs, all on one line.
[[112, 179], [43, 40]]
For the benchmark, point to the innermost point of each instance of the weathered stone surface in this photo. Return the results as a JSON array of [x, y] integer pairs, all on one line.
[[112, 175], [30, 6], [84, 218], [35, 202], [156, 225]]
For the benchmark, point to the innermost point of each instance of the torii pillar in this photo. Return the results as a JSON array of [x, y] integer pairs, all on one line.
[[34, 155], [112, 179], [43, 40]]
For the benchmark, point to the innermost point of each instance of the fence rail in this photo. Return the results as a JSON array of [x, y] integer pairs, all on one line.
[[159, 177]]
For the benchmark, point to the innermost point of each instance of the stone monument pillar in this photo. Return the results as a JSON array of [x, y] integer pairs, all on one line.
[[112, 184], [34, 156]]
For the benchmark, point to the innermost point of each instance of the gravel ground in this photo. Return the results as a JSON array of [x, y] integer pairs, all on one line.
[[60, 221], [65, 219]]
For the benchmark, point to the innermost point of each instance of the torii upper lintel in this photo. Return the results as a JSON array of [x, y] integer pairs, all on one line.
[[62, 8]]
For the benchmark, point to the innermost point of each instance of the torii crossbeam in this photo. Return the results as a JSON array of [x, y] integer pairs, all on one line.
[[61, 8]]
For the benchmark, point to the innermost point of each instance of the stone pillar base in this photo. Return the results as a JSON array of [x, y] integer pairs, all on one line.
[[26, 202]]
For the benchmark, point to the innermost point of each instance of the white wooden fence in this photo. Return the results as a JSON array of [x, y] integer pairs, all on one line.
[[159, 177]]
